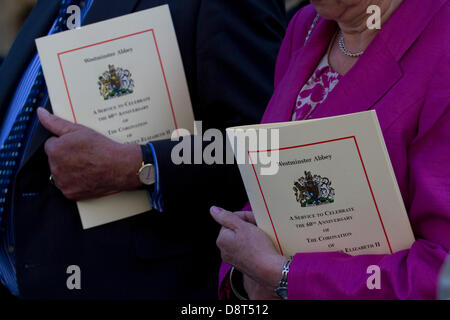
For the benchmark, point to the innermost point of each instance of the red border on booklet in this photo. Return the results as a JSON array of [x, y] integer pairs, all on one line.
[[119, 38], [311, 144]]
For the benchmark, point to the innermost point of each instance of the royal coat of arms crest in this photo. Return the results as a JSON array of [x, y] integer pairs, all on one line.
[[115, 82], [313, 190]]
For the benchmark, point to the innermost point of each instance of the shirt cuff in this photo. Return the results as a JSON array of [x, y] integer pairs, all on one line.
[[155, 196]]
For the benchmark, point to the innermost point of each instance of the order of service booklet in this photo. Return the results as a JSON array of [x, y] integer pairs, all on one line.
[[124, 78], [334, 188]]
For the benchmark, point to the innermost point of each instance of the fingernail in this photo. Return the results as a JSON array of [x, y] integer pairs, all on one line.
[[216, 209], [42, 111]]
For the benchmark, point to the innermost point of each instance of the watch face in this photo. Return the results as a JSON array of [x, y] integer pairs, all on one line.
[[147, 174]]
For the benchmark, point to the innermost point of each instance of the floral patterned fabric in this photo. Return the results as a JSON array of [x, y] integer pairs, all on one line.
[[316, 90]]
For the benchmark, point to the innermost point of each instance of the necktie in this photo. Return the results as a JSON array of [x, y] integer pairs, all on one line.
[[11, 151]]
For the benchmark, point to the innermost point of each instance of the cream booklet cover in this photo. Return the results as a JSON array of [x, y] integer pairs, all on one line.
[[124, 78], [333, 189]]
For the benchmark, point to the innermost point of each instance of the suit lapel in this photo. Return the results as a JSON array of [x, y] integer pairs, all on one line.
[[100, 10]]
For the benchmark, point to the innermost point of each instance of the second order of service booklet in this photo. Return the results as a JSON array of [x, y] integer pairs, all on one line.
[[334, 190], [124, 78]]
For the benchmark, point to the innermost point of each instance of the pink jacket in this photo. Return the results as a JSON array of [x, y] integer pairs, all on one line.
[[405, 76]]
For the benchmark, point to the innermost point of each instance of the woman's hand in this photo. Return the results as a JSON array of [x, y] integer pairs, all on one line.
[[256, 291], [248, 248]]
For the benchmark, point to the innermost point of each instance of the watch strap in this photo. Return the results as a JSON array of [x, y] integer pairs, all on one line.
[[147, 156]]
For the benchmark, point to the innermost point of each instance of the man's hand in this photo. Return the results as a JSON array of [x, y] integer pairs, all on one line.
[[86, 164], [248, 248]]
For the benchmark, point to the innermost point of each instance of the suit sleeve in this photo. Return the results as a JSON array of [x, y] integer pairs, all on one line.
[[408, 274], [236, 47]]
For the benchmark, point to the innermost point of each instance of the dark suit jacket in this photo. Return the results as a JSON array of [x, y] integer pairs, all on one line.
[[229, 50]]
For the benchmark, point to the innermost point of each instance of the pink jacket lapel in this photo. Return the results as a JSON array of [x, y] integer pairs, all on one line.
[[303, 64], [372, 77], [378, 70], [368, 81]]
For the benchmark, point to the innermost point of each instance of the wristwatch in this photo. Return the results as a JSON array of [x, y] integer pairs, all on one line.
[[146, 173], [282, 290]]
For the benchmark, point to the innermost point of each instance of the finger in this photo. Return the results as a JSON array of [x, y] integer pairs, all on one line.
[[225, 236], [226, 218], [226, 242], [50, 146], [54, 124], [247, 216]]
